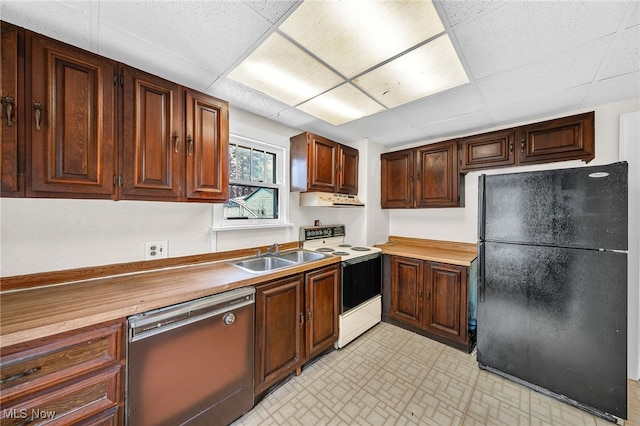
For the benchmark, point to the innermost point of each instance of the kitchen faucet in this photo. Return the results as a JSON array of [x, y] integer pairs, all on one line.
[[274, 249]]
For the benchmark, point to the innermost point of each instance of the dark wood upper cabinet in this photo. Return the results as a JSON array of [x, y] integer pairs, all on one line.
[[78, 125], [397, 179], [207, 147], [494, 149], [568, 138], [71, 115], [347, 170], [320, 164], [421, 177], [437, 177], [12, 112], [152, 145]]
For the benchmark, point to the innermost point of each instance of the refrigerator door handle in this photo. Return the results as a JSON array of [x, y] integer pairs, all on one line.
[[481, 272], [481, 207]]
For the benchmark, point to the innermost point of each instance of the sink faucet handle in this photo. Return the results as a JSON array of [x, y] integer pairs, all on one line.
[[259, 253], [277, 249]]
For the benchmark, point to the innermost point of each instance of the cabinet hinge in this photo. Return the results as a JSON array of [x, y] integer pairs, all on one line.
[[118, 181], [121, 80], [115, 79]]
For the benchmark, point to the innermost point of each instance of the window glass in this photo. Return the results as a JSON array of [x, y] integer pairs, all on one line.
[[253, 184]]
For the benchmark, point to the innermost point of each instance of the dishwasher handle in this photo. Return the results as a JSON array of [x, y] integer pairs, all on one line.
[[161, 320]]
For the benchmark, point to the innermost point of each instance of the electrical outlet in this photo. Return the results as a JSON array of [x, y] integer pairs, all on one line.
[[156, 250]]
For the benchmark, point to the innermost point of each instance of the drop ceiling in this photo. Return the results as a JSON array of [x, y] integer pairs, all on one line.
[[524, 60]]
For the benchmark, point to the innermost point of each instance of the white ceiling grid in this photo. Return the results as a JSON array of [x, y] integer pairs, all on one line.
[[525, 59]]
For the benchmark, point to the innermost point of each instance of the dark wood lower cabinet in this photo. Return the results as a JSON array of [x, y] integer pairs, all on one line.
[[279, 327], [429, 298], [72, 378], [296, 320]]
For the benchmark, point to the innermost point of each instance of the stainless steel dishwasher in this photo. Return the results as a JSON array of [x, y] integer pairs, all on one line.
[[192, 363]]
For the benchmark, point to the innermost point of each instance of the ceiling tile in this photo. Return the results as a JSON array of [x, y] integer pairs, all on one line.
[[376, 124], [246, 98], [211, 34], [563, 101], [625, 55], [274, 69], [464, 124], [272, 11], [353, 36], [569, 68], [455, 102], [634, 19], [523, 32], [400, 136], [340, 105], [433, 67], [460, 11], [37, 16], [613, 89]]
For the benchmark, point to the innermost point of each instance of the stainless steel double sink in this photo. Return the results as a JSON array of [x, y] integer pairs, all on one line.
[[270, 262]]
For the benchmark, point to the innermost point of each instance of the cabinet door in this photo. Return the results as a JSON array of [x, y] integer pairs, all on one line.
[[437, 176], [322, 168], [348, 170], [446, 301], [12, 113], [568, 138], [279, 327], [495, 149], [152, 145], [207, 149], [406, 290], [71, 121], [322, 301], [397, 179]]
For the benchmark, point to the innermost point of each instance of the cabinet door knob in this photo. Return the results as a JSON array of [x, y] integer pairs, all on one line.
[[8, 102], [189, 145], [37, 106], [301, 319], [175, 141], [309, 315], [522, 145]]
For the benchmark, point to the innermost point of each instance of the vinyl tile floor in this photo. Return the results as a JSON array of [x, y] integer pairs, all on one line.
[[391, 376]]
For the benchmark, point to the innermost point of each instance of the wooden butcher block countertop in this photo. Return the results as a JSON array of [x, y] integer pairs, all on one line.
[[451, 252], [30, 312]]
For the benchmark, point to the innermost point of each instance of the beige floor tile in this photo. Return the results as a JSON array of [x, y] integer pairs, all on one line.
[[548, 411], [487, 410], [511, 393], [390, 376]]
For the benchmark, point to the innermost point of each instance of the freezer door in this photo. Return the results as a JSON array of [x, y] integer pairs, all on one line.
[[579, 207], [556, 318]]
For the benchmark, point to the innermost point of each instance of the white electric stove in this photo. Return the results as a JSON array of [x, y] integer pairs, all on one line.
[[360, 289]]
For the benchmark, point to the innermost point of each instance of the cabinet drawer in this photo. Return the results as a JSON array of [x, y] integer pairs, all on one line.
[[30, 367], [69, 404]]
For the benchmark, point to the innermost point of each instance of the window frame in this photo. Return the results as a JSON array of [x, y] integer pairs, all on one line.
[[281, 184]]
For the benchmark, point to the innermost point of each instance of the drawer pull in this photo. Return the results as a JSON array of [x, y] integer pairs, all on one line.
[[8, 101], [37, 106], [189, 145], [20, 375], [175, 141]]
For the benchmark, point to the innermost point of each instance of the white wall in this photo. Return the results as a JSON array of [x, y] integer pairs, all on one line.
[[461, 224]]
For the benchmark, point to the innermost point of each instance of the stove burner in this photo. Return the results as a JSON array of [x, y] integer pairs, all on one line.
[[340, 253], [325, 249], [344, 245], [360, 248]]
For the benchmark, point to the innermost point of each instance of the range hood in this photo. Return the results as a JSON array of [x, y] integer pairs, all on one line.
[[327, 199]]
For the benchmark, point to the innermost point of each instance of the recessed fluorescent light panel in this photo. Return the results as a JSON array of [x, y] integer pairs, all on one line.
[[343, 60]]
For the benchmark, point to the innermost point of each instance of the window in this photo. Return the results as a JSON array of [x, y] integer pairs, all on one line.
[[256, 185]]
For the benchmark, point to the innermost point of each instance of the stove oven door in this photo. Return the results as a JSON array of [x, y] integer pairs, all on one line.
[[361, 280]]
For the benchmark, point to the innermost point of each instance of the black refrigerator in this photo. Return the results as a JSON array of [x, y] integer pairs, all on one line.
[[552, 284]]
